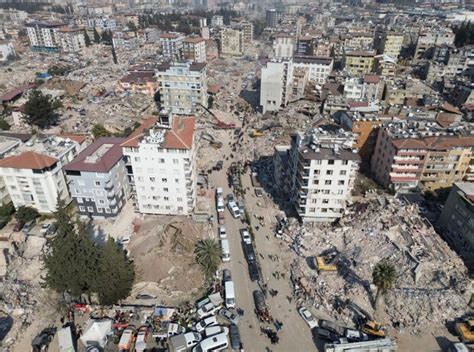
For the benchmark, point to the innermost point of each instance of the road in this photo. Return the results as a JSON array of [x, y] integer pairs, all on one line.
[[295, 335]]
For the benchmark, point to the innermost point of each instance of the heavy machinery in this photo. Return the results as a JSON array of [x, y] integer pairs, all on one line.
[[255, 134], [365, 322], [465, 329], [323, 266], [373, 328]]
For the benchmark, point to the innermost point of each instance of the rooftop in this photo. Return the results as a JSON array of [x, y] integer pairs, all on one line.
[[28, 160], [100, 156], [313, 60]]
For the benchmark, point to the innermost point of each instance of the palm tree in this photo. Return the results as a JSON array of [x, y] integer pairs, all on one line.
[[383, 276], [208, 255]]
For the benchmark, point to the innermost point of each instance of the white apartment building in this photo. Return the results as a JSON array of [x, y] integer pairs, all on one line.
[[162, 157], [217, 21], [231, 42], [182, 87], [72, 39], [323, 169], [33, 173], [102, 23], [392, 45], [319, 68], [44, 35], [172, 45], [283, 46], [194, 49], [276, 84], [6, 50]]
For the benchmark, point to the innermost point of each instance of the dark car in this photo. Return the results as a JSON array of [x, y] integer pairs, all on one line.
[[28, 226], [324, 334], [43, 339], [332, 327], [19, 225], [219, 165], [249, 252], [226, 275], [254, 273], [234, 337]]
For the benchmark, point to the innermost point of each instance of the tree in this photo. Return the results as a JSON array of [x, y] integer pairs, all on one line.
[[100, 131], [71, 256], [116, 274], [4, 125], [464, 34], [96, 36], [26, 214], [87, 39], [131, 26], [41, 110], [208, 256], [383, 276], [106, 37]]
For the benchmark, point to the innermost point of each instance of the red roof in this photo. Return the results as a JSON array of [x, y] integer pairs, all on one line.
[[74, 137], [28, 160], [16, 92], [371, 79]]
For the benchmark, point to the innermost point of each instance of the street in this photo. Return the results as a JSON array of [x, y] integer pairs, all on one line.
[[295, 334]]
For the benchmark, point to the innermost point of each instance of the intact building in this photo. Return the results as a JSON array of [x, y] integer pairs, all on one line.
[[457, 220], [161, 161], [194, 49], [283, 46], [231, 42], [172, 45], [217, 21], [182, 87], [319, 68], [276, 85], [360, 62], [323, 168], [44, 36], [97, 179], [273, 17]]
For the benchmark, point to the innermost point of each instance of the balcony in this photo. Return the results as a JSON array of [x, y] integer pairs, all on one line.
[[109, 187], [113, 203], [110, 195]]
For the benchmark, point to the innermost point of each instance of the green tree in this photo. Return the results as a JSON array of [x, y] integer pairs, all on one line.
[[96, 36], [87, 39], [71, 256], [208, 256], [4, 125], [383, 276], [100, 131], [26, 214], [115, 274], [41, 110], [131, 26]]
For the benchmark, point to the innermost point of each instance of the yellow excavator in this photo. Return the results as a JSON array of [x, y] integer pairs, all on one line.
[[256, 133], [373, 328], [465, 329], [323, 266]]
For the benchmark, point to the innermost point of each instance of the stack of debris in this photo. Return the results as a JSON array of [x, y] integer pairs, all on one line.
[[431, 287]]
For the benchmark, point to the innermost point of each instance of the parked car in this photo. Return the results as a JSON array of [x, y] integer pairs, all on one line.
[[205, 323], [18, 226], [45, 228], [230, 315], [308, 317], [333, 327], [230, 198], [142, 338], [222, 233], [241, 206], [217, 329], [249, 252], [234, 337], [43, 339], [226, 275], [254, 273], [218, 165], [234, 209], [353, 335], [207, 310], [324, 334], [28, 226], [245, 236]]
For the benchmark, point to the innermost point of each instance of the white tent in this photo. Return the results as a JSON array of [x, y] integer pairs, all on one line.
[[97, 333]]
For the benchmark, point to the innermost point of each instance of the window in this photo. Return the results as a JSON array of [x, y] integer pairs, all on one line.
[[164, 180], [315, 182], [79, 200], [327, 182], [161, 161], [176, 180], [317, 162], [340, 182], [329, 172], [179, 199], [107, 210], [168, 207], [152, 179], [101, 201], [317, 172], [90, 209], [166, 198], [324, 210], [345, 162], [330, 162], [165, 189], [340, 192], [100, 210], [180, 209], [325, 201], [343, 172], [154, 198], [312, 210], [97, 183], [175, 161], [81, 208], [314, 201], [326, 191]]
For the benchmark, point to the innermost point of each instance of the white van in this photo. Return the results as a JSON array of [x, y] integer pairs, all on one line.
[[214, 343], [225, 251], [229, 294], [220, 204], [214, 330]]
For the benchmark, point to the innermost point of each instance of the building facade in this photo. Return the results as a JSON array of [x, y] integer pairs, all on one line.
[[273, 17], [97, 179], [276, 84], [283, 46], [319, 68], [72, 39], [172, 45], [231, 42], [7, 50], [161, 160], [182, 87], [360, 62], [194, 49], [44, 36]]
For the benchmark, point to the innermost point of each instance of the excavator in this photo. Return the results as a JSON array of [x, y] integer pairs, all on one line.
[[259, 132], [366, 324], [465, 329]]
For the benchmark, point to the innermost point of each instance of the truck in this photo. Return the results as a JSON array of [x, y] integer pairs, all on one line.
[[261, 309], [65, 340], [184, 342], [385, 345], [127, 339]]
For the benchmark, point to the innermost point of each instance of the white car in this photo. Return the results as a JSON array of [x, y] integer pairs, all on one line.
[[207, 310], [308, 317], [222, 233], [245, 236], [205, 323]]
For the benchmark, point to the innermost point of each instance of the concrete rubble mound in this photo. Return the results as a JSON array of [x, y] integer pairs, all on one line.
[[432, 284]]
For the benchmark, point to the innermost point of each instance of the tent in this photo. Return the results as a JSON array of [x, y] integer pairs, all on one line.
[[96, 334]]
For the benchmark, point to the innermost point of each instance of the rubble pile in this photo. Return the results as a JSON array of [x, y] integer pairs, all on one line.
[[432, 284]]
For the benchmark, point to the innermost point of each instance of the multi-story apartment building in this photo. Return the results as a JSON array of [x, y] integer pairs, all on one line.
[[172, 45], [97, 178], [389, 43], [276, 84], [359, 62], [359, 41], [368, 88], [431, 38], [217, 21], [102, 23], [72, 39], [138, 82], [407, 159], [323, 168], [44, 36], [194, 49], [231, 42], [283, 46], [319, 68], [246, 28], [182, 87], [7, 145], [33, 173], [7, 50], [273, 17], [304, 46], [457, 220], [161, 158]]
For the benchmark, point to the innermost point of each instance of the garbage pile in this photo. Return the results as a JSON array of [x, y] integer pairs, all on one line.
[[335, 262]]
